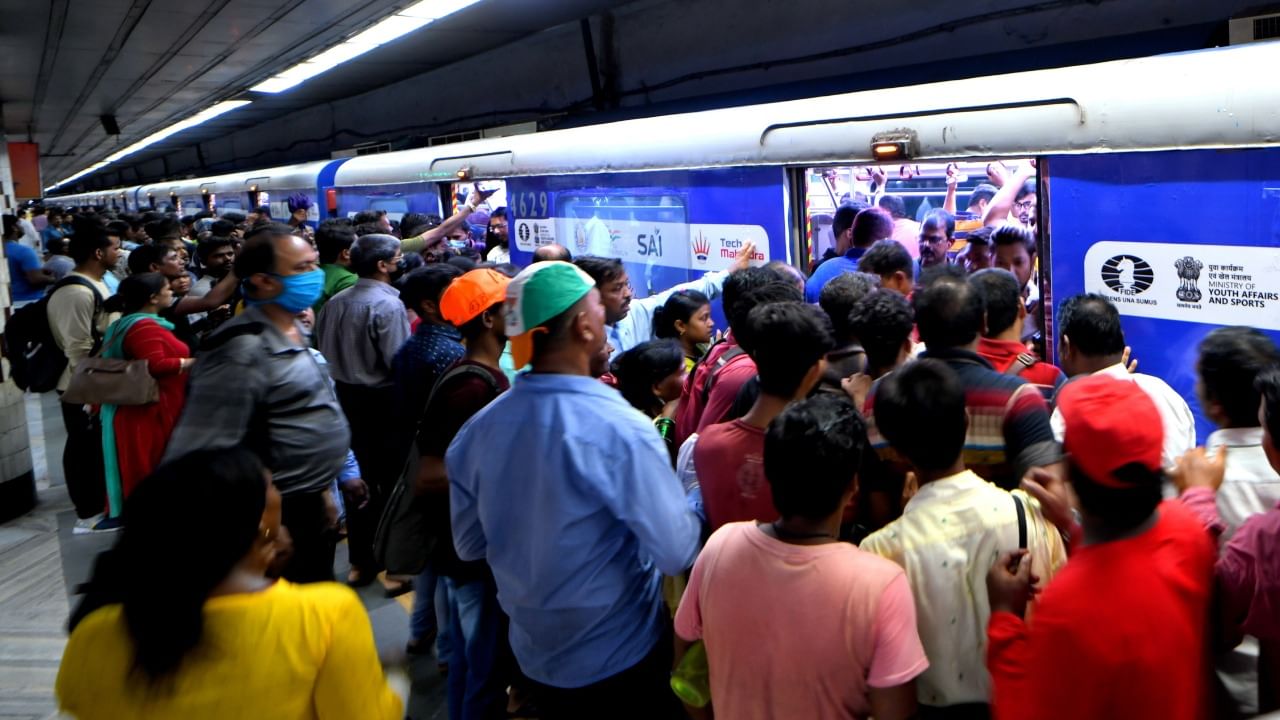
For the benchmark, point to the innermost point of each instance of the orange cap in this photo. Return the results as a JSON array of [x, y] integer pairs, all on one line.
[[471, 294]]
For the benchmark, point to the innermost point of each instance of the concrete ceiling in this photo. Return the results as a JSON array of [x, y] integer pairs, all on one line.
[[150, 63]]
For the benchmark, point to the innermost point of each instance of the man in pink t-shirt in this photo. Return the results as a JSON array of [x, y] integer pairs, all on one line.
[[789, 341], [796, 623]]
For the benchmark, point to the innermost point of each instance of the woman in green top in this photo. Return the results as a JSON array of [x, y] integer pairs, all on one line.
[[134, 436]]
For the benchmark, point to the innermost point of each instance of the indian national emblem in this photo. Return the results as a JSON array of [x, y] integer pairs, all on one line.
[[1188, 272]]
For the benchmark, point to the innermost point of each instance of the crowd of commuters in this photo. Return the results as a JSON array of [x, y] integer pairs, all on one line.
[[869, 495]]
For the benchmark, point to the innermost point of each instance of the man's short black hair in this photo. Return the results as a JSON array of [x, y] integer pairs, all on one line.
[[87, 240], [144, 256], [919, 408], [601, 269], [222, 228], [949, 312], [1002, 295], [1028, 188], [426, 284], [368, 216], [413, 224], [895, 205], [368, 228], [776, 290], [1231, 358], [206, 247], [940, 218], [1268, 386], [980, 193], [369, 250], [259, 252], [981, 236], [839, 296], [885, 258], [812, 452], [843, 219], [332, 237], [1012, 234], [1092, 324], [739, 284], [163, 229], [787, 339], [1119, 508], [882, 321], [871, 225]]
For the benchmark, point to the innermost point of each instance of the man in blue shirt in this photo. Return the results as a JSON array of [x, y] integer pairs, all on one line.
[[629, 322], [26, 276], [575, 508], [863, 230]]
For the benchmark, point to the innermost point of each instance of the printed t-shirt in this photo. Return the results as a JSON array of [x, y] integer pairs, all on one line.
[[729, 461]]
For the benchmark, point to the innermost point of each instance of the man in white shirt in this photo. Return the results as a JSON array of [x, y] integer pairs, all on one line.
[[950, 532], [1231, 359], [1092, 343], [629, 323]]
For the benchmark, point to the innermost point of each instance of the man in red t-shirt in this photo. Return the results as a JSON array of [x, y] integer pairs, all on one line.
[[479, 656], [1001, 342], [789, 341], [1128, 613], [726, 363]]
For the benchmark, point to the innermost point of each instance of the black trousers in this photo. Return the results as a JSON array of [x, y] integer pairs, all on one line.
[[82, 461], [641, 692], [966, 711], [375, 439], [314, 539]]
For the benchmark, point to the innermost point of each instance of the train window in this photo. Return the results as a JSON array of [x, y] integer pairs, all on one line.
[[231, 204], [601, 221], [395, 207], [920, 188]]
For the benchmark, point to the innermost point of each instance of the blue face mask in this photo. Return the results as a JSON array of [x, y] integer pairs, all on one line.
[[300, 291]]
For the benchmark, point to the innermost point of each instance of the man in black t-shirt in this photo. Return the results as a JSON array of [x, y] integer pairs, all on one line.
[[479, 657]]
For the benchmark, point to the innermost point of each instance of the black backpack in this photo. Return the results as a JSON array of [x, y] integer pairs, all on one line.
[[35, 360]]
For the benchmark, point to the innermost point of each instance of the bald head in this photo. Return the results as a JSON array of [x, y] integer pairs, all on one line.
[[552, 251]]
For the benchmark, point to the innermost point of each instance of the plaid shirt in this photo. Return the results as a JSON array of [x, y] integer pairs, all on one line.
[[1009, 431]]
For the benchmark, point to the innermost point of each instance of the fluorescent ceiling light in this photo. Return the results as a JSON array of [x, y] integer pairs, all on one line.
[[155, 137], [384, 31]]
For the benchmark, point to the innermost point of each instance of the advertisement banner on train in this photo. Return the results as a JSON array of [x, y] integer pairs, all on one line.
[[1181, 242], [666, 227]]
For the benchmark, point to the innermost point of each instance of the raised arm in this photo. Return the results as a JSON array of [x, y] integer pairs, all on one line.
[[1002, 204], [215, 298], [437, 234]]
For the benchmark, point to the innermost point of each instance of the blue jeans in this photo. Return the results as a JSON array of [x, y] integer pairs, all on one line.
[[480, 658], [430, 610]]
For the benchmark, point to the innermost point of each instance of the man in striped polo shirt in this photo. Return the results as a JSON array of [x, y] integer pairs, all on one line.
[[1009, 431]]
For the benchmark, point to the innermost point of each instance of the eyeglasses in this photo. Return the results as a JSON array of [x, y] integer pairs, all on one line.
[[1025, 205]]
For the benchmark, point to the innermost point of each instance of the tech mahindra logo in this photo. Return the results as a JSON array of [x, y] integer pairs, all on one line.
[[701, 248]]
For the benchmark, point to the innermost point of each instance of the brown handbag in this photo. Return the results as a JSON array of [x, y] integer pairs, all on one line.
[[104, 381]]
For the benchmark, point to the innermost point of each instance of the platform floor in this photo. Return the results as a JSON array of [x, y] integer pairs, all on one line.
[[42, 562]]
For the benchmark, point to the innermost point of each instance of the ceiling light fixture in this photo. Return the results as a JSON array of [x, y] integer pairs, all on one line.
[[390, 28], [201, 117]]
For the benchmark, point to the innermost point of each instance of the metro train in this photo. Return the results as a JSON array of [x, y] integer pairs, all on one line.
[[1158, 179]]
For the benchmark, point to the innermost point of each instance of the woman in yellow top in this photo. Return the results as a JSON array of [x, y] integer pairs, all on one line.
[[181, 621], [686, 317]]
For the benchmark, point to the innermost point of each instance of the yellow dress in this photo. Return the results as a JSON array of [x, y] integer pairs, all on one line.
[[290, 651]]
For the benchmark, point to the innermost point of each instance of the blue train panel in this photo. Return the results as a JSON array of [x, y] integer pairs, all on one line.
[[396, 200], [667, 227], [1181, 242]]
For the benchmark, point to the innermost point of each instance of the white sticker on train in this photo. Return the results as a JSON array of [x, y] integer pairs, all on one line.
[[1213, 284]]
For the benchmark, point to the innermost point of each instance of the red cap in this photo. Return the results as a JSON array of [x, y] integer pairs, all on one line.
[[1110, 423]]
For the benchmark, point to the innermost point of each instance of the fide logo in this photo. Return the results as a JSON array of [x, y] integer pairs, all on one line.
[[523, 232], [1127, 275]]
